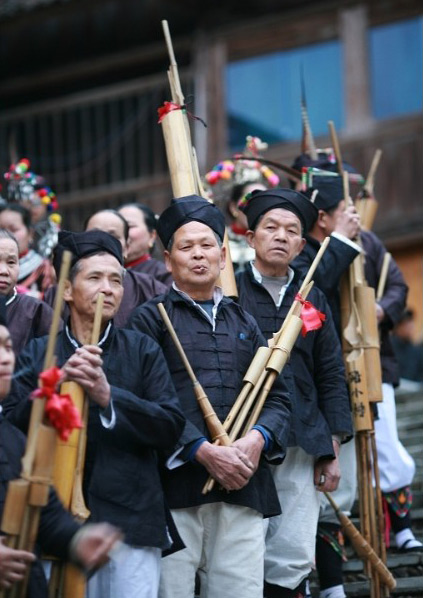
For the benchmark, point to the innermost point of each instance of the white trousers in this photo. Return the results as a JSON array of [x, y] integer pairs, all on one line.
[[130, 573], [396, 466], [224, 544], [291, 537], [344, 495]]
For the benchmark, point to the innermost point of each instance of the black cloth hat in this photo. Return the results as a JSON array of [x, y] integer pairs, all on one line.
[[260, 202], [323, 163], [188, 209], [3, 318], [330, 192], [85, 244]]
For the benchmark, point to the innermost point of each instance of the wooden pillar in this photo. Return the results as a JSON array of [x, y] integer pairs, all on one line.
[[353, 33]]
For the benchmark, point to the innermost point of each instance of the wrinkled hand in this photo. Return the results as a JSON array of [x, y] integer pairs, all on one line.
[[251, 445], [329, 468], [91, 545], [85, 368], [13, 564], [348, 223], [228, 465]]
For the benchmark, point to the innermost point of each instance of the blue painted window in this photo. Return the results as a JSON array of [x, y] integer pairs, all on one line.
[[263, 93], [396, 66]]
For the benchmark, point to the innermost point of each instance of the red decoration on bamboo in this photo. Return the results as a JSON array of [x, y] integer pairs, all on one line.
[[166, 108], [312, 318], [59, 409]]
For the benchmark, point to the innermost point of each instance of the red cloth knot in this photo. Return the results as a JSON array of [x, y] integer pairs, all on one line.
[[60, 410], [312, 318]]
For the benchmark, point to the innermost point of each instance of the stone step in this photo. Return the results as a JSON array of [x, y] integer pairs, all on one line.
[[412, 586], [395, 560]]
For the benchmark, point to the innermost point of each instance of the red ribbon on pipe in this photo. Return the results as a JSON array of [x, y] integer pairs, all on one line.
[[166, 108], [312, 318], [60, 410]]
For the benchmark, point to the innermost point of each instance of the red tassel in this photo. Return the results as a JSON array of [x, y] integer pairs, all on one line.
[[166, 108], [60, 410], [312, 318]]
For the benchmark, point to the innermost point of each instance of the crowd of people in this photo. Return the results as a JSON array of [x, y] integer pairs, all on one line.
[[265, 525]]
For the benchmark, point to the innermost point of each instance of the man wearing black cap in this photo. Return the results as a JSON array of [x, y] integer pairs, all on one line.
[[277, 221], [396, 466], [133, 411], [222, 531]]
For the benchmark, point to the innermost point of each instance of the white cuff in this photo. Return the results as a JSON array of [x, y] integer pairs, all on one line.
[[174, 460], [107, 423], [347, 241]]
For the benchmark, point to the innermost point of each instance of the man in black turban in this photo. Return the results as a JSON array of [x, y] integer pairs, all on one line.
[[222, 531], [133, 412], [396, 466], [278, 220]]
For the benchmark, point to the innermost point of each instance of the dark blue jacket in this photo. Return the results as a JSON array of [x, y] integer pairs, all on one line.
[[321, 405], [121, 478], [219, 359], [57, 526]]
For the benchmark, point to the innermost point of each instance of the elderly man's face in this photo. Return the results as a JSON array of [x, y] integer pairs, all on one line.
[[195, 259], [277, 240], [100, 273]]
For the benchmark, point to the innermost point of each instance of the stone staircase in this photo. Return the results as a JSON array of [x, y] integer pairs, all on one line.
[[406, 568]]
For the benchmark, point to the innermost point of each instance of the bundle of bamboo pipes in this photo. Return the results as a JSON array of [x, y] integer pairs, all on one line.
[[360, 341], [66, 580], [27, 495]]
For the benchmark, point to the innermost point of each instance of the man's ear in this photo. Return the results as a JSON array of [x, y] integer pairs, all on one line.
[[67, 291], [222, 257], [321, 219], [249, 235], [167, 261]]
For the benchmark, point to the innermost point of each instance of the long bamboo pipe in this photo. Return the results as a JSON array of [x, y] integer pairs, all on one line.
[[363, 549]]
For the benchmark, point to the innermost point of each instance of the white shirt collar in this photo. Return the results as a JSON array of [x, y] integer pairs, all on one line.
[[13, 297], [259, 278], [217, 298], [102, 340]]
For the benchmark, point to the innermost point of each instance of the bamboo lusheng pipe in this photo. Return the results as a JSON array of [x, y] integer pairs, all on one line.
[[383, 276], [214, 425], [366, 203], [66, 580], [364, 297], [38, 406], [182, 161], [254, 381], [335, 145], [256, 371], [361, 547], [37, 462]]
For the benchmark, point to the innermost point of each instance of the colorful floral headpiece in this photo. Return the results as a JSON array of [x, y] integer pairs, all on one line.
[[242, 172], [24, 185]]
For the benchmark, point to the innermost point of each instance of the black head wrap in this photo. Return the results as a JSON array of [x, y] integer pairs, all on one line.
[[260, 202], [85, 244], [188, 209], [330, 192], [323, 162]]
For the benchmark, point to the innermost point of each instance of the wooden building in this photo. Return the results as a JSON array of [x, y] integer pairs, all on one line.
[[82, 80]]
